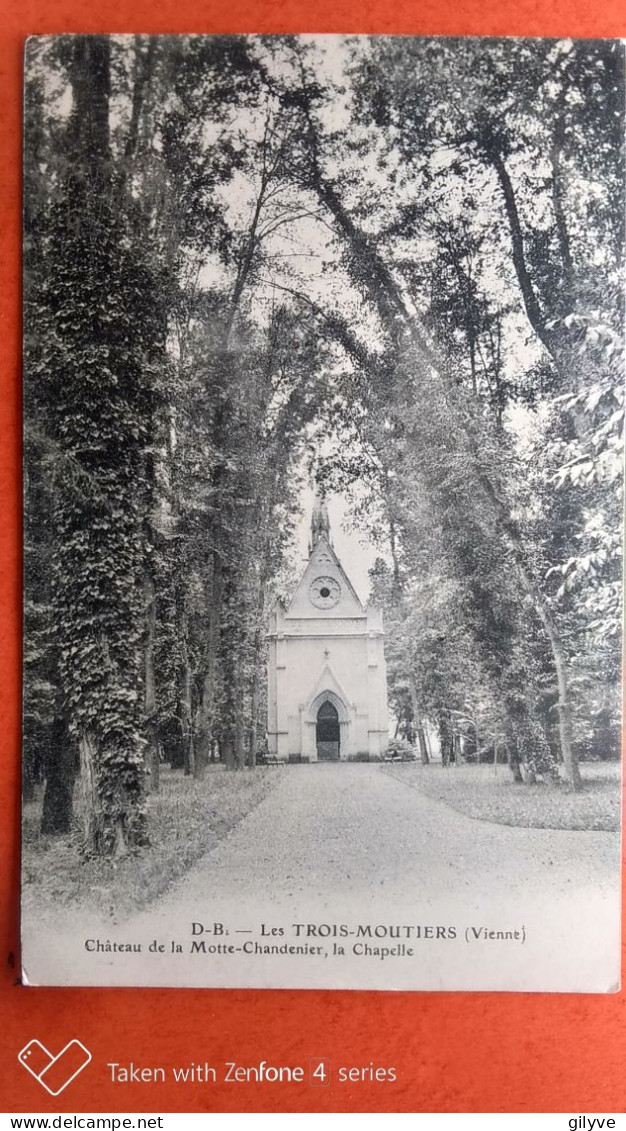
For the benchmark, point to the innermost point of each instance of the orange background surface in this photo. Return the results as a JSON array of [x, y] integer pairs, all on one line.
[[452, 1052]]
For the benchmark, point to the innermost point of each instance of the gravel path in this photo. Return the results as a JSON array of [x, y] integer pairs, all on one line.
[[349, 845]]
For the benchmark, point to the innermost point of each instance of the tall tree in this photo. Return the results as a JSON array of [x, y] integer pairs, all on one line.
[[101, 336]]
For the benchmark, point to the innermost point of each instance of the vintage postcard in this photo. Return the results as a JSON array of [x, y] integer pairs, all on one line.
[[324, 386]]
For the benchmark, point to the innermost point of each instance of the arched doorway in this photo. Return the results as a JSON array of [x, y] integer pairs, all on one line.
[[327, 732]]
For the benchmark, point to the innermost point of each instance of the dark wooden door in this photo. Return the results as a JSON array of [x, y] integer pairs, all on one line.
[[327, 733]]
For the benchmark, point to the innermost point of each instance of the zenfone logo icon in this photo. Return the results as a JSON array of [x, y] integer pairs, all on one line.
[[54, 1072]]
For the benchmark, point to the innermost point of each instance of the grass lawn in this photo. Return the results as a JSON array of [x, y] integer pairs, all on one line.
[[186, 819], [488, 795]]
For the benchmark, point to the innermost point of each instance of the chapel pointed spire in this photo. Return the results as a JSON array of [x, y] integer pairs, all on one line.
[[320, 522]]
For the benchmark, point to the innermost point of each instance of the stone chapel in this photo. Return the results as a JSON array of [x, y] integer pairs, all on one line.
[[327, 680]]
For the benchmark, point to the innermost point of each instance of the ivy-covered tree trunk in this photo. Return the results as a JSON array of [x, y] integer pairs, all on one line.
[[231, 643], [185, 694], [207, 711], [150, 699], [99, 305], [253, 733], [258, 657], [239, 727]]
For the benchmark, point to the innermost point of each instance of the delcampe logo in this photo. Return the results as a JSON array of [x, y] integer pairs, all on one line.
[[54, 1073]]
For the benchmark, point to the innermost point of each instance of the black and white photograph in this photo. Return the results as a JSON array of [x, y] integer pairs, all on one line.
[[323, 435]]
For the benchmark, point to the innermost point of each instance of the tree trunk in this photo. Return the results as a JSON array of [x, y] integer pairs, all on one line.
[[228, 749], [87, 233], [142, 76], [570, 758], [513, 760], [91, 811], [417, 721], [257, 646], [456, 748], [229, 645], [538, 322], [445, 740], [155, 768], [387, 298], [56, 816], [533, 310], [185, 697], [254, 705], [509, 526], [89, 123], [206, 714], [152, 751], [421, 738], [28, 784], [202, 744], [240, 750]]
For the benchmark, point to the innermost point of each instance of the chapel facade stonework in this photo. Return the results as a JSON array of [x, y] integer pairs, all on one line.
[[327, 679]]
